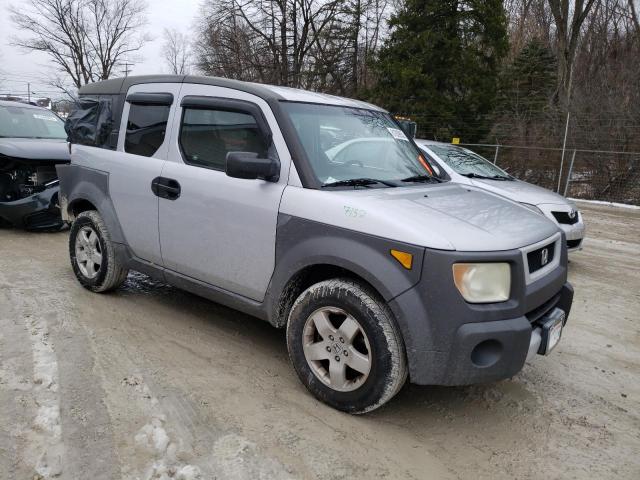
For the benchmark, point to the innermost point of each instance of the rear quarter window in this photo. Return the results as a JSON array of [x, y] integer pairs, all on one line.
[[146, 128]]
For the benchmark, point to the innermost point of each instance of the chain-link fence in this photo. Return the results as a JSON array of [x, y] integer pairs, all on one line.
[[586, 174]]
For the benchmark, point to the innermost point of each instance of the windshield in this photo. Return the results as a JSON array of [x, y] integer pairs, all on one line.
[[465, 162], [346, 144], [24, 122]]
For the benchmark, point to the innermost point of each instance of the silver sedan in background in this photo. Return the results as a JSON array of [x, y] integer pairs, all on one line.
[[467, 167]]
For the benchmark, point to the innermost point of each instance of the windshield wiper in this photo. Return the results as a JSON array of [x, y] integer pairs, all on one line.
[[359, 182], [422, 178], [486, 177]]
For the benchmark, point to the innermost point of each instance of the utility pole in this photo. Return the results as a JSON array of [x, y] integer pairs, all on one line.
[[566, 128], [29, 92], [127, 69]]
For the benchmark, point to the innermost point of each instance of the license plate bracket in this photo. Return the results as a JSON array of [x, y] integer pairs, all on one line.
[[551, 325]]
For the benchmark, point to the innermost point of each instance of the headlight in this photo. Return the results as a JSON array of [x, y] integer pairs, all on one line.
[[483, 282], [533, 208]]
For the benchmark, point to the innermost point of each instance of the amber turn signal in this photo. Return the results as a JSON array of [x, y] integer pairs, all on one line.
[[405, 259]]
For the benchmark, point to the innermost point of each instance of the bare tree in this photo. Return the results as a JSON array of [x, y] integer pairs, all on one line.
[[86, 39], [569, 17], [634, 15], [176, 51], [326, 45]]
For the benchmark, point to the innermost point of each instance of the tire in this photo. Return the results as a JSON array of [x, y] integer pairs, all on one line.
[[93, 258], [342, 314]]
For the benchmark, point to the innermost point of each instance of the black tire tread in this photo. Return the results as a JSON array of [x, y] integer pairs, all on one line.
[[116, 272], [383, 314]]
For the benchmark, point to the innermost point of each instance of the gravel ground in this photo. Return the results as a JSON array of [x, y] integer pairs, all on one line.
[[150, 381]]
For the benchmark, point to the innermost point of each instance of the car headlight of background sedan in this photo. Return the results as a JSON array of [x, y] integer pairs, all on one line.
[[533, 208], [483, 282]]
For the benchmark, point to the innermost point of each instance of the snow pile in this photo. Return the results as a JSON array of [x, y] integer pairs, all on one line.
[[154, 439], [45, 438]]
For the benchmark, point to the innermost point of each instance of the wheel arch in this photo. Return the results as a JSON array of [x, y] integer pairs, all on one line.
[[304, 278], [308, 252], [77, 206]]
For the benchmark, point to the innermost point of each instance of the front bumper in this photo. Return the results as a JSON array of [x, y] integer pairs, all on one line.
[[451, 342], [489, 351], [39, 211], [574, 233]]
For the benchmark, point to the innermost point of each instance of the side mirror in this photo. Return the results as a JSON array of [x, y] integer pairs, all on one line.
[[249, 165], [408, 127]]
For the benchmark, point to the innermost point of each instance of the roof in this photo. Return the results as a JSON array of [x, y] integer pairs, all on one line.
[[299, 95], [117, 86]]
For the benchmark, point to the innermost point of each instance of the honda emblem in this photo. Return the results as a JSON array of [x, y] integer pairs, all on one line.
[[544, 256]]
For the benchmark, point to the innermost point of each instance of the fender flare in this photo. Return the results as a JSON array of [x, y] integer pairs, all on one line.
[[302, 244], [79, 183]]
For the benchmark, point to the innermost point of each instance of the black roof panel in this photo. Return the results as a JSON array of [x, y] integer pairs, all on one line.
[[117, 86]]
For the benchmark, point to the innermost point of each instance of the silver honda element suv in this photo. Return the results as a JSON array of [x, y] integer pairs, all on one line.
[[255, 197]]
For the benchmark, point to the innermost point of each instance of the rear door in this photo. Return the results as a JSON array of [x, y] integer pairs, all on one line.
[[221, 230], [143, 145]]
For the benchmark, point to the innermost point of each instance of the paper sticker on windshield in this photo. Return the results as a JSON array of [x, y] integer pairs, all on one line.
[[49, 118], [397, 134]]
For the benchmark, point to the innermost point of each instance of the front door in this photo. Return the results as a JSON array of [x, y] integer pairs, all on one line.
[[221, 230], [142, 146]]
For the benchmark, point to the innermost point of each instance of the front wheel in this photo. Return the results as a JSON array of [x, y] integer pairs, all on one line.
[[92, 254], [345, 346]]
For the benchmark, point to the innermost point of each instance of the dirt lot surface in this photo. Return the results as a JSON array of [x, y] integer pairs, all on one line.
[[150, 382]]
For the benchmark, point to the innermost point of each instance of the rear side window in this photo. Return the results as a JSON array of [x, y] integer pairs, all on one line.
[[92, 121], [146, 127], [207, 135]]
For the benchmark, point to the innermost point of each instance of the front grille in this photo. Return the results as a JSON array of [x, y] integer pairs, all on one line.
[[541, 257], [573, 243], [565, 217]]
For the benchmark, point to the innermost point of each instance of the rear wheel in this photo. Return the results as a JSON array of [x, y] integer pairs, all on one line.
[[93, 255], [345, 346]]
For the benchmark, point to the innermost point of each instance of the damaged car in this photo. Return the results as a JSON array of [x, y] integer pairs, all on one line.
[[32, 143]]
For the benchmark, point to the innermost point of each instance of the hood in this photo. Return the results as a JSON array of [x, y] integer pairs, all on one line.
[[34, 149], [445, 217], [519, 191]]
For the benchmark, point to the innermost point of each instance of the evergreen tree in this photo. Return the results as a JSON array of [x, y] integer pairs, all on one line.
[[528, 83], [525, 111], [440, 65]]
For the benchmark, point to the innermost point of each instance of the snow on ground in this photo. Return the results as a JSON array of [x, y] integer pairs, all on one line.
[[150, 383], [45, 437], [153, 439], [608, 204]]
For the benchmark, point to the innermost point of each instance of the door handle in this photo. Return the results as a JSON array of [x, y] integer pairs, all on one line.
[[166, 188]]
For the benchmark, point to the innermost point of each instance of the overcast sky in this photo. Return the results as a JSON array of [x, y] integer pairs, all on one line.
[[18, 68]]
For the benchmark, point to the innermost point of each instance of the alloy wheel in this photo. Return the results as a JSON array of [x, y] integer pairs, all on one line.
[[88, 252], [337, 349]]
